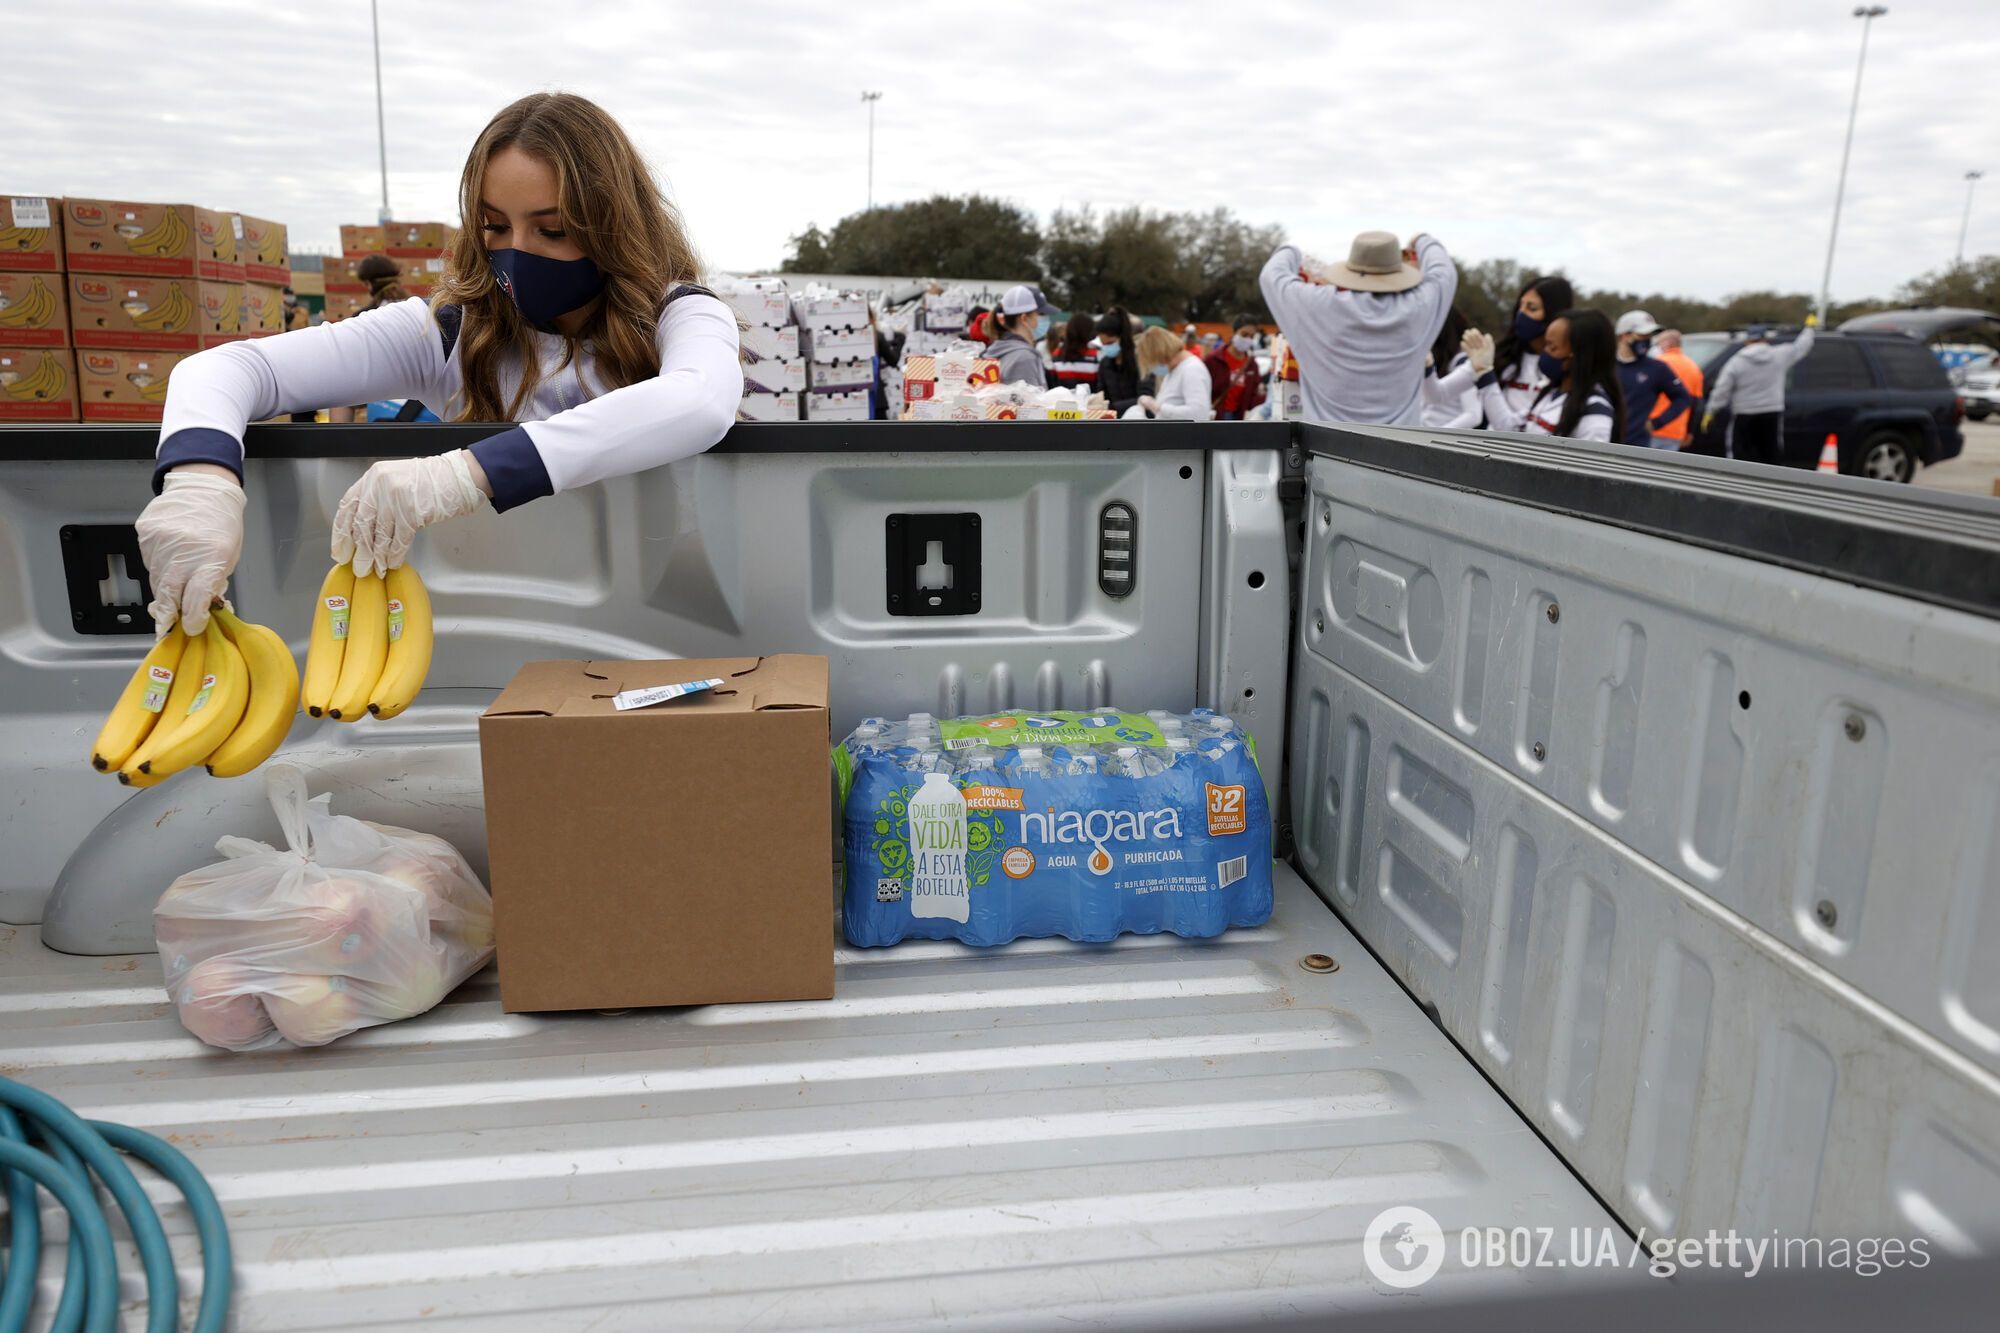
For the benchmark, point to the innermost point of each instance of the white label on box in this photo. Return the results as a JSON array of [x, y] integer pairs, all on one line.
[[434, 265], [236, 224], [659, 694], [31, 212]]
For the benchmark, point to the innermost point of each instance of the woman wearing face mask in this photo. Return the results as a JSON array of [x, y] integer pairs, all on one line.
[[1515, 358], [1236, 385], [569, 304], [1021, 309], [1117, 360], [1579, 398], [1184, 392]]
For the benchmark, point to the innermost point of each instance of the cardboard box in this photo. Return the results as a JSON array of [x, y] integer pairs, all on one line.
[[837, 344], [851, 405], [920, 376], [34, 310], [671, 854], [219, 238], [338, 274], [263, 309], [123, 385], [768, 407], [416, 239], [364, 238], [946, 312], [219, 317], [113, 310], [345, 305], [37, 384], [265, 257], [848, 311], [762, 301], [761, 340], [116, 236], [773, 376], [31, 237], [857, 373]]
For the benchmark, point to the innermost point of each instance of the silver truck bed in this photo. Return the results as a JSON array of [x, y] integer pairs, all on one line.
[[1149, 1133]]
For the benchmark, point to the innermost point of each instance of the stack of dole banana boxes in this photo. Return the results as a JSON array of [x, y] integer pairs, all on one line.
[[133, 288], [419, 249]]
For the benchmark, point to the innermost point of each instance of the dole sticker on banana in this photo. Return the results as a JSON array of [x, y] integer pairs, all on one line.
[[395, 619], [336, 616], [159, 681]]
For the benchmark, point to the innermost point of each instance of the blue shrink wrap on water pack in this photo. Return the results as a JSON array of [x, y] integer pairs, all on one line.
[[1086, 825]]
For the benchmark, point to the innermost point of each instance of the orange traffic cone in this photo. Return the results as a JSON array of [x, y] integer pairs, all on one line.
[[1829, 454]]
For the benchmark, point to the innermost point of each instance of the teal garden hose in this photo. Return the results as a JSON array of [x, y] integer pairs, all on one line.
[[45, 1145]]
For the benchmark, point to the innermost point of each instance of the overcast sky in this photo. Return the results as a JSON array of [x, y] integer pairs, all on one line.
[[1688, 147]]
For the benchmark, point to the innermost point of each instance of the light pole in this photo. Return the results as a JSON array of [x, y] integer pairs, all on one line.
[[381, 130], [1867, 14], [1971, 178], [871, 99]]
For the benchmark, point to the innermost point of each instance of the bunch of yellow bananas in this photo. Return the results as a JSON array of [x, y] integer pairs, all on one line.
[[32, 311], [371, 644], [23, 238], [224, 698], [41, 384], [167, 235], [171, 314]]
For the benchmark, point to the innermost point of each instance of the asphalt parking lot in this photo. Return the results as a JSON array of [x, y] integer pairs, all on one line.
[[1974, 472]]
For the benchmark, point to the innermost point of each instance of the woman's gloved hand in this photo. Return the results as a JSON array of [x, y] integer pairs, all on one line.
[[190, 538], [1478, 349], [380, 514]]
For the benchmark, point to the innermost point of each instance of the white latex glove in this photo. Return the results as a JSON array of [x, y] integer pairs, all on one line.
[[380, 514], [1478, 350], [190, 538]]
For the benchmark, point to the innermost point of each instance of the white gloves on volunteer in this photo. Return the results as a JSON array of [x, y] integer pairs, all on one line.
[[1478, 350], [190, 537], [380, 514]]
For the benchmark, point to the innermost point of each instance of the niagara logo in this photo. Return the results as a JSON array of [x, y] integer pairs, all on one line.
[[1098, 827]]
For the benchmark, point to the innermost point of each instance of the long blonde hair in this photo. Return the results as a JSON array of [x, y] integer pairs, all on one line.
[[609, 203]]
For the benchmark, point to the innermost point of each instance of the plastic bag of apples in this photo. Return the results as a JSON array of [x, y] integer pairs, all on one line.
[[356, 924]]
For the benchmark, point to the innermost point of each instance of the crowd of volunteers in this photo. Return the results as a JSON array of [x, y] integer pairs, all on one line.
[[571, 307]]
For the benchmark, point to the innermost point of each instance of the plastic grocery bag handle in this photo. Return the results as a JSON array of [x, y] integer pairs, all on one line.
[[285, 784]]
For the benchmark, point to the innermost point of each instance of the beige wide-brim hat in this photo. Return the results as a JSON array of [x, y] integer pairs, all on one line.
[[1375, 264]]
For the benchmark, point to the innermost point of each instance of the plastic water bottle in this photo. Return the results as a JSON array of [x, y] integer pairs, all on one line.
[[938, 884]]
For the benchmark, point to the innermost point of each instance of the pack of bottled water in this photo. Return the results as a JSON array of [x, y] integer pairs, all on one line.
[[1023, 824]]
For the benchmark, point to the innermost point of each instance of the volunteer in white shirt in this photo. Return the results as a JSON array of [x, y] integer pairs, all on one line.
[[568, 303], [1185, 391], [1517, 357], [1579, 398], [1443, 409]]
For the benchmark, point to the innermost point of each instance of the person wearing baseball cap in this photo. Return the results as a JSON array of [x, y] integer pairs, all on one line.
[[1021, 309], [1360, 330], [1646, 381]]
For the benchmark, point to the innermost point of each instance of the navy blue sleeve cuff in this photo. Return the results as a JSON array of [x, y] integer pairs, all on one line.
[[197, 444], [514, 468], [1490, 377]]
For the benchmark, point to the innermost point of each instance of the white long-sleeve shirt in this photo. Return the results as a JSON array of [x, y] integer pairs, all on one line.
[[1361, 354], [1449, 409], [576, 430], [1186, 392], [1544, 414], [1520, 383]]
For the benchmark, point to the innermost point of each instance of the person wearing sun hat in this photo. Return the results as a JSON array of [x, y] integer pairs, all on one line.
[[1359, 330]]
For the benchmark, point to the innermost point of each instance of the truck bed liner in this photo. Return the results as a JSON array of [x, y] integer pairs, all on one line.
[[1153, 1132]]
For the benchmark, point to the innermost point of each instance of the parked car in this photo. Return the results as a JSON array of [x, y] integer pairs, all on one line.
[[1883, 395], [1981, 389]]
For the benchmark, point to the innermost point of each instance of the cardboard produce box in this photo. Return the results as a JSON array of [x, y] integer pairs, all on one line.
[[123, 385], [113, 310], [219, 237], [30, 234], [835, 405], [765, 302], [263, 309], [345, 305], [116, 236], [339, 275], [265, 258], [37, 384], [768, 406], [773, 376], [857, 373], [837, 344], [671, 853], [219, 318], [847, 310], [763, 341], [418, 240], [365, 238], [34, 310]]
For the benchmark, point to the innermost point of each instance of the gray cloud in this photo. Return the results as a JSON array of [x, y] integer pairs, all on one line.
[[1687, 148]]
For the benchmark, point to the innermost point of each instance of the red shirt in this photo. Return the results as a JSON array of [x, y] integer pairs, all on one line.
[[1235, 383]]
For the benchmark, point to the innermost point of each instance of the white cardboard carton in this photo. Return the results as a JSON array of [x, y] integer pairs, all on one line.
[[820, 344], [853, 373], [761, 340], [774, 376], [768, 407], [848, 406]]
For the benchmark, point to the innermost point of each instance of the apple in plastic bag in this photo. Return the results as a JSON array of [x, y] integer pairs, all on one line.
[[218, 1002], [312, 1011]]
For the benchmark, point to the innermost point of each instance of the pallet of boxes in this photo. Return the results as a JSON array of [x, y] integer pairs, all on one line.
[[144, 286], [37, 365], [946, 377], [419, 249], [774, 372], [838, 343]]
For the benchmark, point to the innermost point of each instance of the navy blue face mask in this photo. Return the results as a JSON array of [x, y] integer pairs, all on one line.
[[1552, 369], [1527, 330], [544, 288]]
